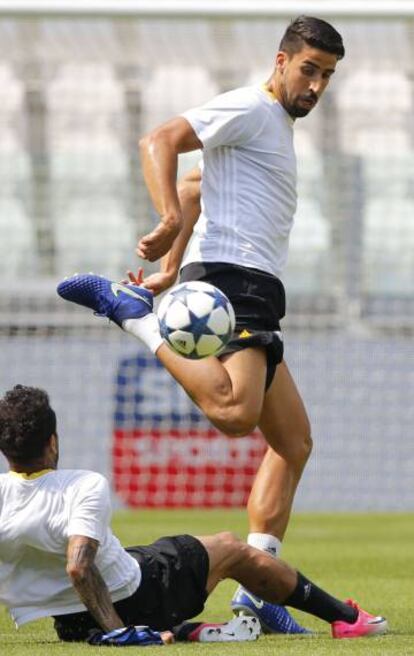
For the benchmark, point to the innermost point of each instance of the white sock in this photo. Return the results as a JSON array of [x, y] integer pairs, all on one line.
[[265, 542], [146, 329]]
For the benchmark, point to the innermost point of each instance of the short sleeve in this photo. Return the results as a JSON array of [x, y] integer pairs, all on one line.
[[229, 119], [90, 508]]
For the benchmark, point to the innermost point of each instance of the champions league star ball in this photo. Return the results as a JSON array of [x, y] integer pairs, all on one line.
[[196, 319]]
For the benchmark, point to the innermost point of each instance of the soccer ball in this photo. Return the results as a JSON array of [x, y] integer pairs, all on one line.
[[196, 319]]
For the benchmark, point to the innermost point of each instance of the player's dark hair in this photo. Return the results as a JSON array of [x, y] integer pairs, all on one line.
[[26, 423], [314, 32]]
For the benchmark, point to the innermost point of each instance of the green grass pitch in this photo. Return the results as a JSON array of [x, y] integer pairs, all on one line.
[[366, 556]]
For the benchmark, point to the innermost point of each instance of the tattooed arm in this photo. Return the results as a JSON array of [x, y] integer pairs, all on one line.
[[88, 582]]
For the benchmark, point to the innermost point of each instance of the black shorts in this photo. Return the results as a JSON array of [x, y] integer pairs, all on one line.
[[259, 303], [172, 589]]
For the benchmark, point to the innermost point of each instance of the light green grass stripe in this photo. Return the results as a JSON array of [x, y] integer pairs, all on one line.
[[366, 556]]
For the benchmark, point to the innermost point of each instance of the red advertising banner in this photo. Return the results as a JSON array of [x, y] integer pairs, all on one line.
[[166, 454]]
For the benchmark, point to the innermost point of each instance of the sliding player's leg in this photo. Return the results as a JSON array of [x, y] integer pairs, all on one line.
[[277, 583], [285, 425]]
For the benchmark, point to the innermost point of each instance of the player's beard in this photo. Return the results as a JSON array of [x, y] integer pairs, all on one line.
[[294, 107]]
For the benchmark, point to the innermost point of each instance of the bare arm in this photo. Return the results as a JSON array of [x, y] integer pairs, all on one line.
[[189, 195], [88, 582], [188, 190], [159, 156]]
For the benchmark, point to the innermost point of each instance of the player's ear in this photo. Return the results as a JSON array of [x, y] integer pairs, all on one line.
[[54, 444], [281, 60]]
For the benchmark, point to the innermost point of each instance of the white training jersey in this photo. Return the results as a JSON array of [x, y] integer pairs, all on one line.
[[37, 516], [248, 187]]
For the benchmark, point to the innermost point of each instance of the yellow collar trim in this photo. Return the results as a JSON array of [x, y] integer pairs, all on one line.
[[273, 98], [30, 477], [269, 92]]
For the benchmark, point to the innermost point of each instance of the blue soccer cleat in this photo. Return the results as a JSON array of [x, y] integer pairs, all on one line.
[[109, 299], [273, 618]]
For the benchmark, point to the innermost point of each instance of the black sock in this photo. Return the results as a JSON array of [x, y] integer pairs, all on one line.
[[311, 599]]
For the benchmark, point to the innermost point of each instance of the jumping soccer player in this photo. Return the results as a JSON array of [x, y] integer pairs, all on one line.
[[240, 244], [59, 557]]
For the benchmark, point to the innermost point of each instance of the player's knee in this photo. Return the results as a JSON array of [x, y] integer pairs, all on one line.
[[299, 451], [242, 558], [227, 545], [304, 448], [307, 445], [240, 428], [232, 550], [228, 539], [298, 447], [234, 422]]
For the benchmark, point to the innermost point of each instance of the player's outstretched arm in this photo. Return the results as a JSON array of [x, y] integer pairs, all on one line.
[[189, 196], [94, 593], [88, 582], [159, 156]]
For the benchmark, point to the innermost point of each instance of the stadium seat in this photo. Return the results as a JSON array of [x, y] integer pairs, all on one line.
[[390, 173], [374, 106], [17, 244], [309, 257], [12, 100], [94, 234], [89, 169], [309, 252], [16, 230], [388, 225], [186, 83], [89, 147], [389, 246]]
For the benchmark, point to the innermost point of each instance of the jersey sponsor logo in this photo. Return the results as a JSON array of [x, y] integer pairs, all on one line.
[[117, 289]]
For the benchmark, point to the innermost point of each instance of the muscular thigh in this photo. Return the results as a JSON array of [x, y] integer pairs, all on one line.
[[283, 421], [258, 300], [224, 551], [247, 370]]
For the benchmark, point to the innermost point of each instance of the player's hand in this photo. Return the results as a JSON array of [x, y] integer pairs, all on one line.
[[126, 636], [158, 242], [134, 278], [159, 282], [155, 282]]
